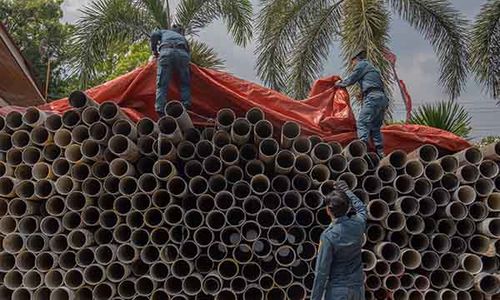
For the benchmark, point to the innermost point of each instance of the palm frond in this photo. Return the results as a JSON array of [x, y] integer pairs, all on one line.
[[485, 47], [103, 24], [160, 11], [446, 115], [366, 25], [237, 15], [445, 28], [313, 47], [194, 15], [204, 56], [278, 23]]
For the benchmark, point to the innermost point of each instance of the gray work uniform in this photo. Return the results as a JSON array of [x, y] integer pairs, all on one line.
[[339, 269], [375, 102]]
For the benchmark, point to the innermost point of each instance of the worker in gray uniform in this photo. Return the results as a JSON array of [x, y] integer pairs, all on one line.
[[339, 270], [375, 102], [172, 50]]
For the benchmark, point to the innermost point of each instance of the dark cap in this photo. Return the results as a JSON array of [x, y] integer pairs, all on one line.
[[359, 53]]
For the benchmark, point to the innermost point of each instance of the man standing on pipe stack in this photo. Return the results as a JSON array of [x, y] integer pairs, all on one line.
[[172, 51], [339, 269], [375, 101]]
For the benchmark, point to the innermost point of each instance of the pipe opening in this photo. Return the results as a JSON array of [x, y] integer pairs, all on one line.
[[395, 221], [71, 118], [337, 163], [216, 220], [286, 160], [441, 196], [271, 201], [301, 145], [414, 168], [71, 220], [193, 219], [322, 152], [283, 277], [356, 149], [388, 251], [372, 185], [466, 227], [377, 210], [291, 130], [397, 159], [261, 248], [446, 226], [427, 206], [375, 233], [484, 187], [90, 115], [440, 243], [419, 242], [373, 282], [14, 120], [305, 217], [473, 155], [369, 259], [415, 224], [489, 284]]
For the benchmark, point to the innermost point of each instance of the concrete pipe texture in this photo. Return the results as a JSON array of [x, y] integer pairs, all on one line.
[[425, 153], [94, 206], [397, 159], [414, 168], [472, 156]]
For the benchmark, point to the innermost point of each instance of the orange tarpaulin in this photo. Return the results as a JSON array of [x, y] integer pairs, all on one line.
[[326, 112]]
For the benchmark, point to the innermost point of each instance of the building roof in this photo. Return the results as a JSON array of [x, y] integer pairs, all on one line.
[[17, 86]]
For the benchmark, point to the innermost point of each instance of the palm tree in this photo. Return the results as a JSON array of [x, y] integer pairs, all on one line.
[[446, 115], [485, 47], [296, 36], [107, 23]]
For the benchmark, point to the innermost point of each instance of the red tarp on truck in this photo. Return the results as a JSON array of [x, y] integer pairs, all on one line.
[[326, 112]]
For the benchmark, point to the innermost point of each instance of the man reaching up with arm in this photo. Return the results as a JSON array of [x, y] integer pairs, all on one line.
[[339, 269], [375, 102]]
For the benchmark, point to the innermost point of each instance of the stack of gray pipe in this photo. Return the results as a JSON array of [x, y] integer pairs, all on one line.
[[95, 207]]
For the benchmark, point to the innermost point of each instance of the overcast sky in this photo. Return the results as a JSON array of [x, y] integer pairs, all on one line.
[[417, 64]]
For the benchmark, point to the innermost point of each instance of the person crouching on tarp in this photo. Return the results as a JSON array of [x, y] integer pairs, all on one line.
[[375, 102], [172, 50], [339, 270]]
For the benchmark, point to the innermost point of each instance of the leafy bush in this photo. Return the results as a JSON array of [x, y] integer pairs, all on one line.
[[446, 115]]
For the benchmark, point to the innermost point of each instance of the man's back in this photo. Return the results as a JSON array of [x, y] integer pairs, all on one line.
[[167, 37], [339, 269], [346, 236]]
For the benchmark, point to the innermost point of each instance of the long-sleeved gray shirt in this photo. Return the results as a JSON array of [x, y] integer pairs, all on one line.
[[366, 75], [339, 261]]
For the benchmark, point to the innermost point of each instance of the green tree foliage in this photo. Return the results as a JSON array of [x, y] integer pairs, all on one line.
[[295, 38], [446, 115], [109, 23], [485, 47], [36, 28], [135, 56]]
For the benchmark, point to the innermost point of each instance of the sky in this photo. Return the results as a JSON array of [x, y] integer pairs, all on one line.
[[417, 65]]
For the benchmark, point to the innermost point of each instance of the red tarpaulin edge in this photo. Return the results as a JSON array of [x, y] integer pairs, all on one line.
[[326, 112]]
